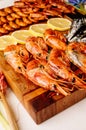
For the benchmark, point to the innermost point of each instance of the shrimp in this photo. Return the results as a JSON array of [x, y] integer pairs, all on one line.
[[39, 77], [52, 12], [55, 39], [59, 66], [37, 16], [76, 52], [37, 47], [65, 8], [16, 58]]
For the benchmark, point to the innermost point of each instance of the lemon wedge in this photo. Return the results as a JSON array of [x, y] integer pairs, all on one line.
[[38, 29], [21, 35], [60, 24], [6, 40]]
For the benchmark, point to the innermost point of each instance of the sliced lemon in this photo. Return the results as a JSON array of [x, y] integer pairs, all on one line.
[[61, 24], [7, 40], [38, 29], [21, 35]]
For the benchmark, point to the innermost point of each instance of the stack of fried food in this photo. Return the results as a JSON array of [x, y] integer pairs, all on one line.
[[27, 12], [50, 62]]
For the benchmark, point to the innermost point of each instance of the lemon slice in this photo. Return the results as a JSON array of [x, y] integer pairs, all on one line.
[[7, 40], [60, 24], [38, 29], [21, 35]]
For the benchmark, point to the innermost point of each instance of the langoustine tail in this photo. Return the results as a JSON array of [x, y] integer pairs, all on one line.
[[39, 77]]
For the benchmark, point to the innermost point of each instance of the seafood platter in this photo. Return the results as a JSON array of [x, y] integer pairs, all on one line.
[[47, 74]]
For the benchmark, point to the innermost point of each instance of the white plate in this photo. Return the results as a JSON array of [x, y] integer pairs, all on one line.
[[5, 3]]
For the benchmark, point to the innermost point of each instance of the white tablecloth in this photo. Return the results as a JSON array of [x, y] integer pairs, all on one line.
[[73, 118]]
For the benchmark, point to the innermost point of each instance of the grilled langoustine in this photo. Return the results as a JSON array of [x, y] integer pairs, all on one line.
[[38, 76], [38, 48], [46, 68], [58, 65], [17, 56], [31, 69], [76, 53], [55, 39]]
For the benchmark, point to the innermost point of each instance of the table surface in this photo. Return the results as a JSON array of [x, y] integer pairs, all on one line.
[[73, 118]]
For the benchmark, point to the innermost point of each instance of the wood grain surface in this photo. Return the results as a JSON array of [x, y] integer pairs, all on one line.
[[41, 104]]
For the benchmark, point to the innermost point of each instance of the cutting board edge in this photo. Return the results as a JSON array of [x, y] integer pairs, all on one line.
[[55, 108]]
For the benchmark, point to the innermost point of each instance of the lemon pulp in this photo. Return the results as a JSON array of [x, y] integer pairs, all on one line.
[[7, 40], [21, 35], [38, 29], [60, 24]]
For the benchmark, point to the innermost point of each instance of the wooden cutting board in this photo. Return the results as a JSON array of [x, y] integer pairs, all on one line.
[[41, 104]]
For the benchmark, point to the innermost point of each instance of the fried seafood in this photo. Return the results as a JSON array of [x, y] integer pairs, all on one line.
[[55, 8], [2, 13], [8, 10], [77, 54], [65, 8], [14, 15], [30, 10], [20, 22], [26, 20], [55, 39], [3, 19], [3, 30], [10, 18], [21, 14], [1, 23], [52, 12], [19, 4], [7, 27], [14, 25], [24, 13], [58, 4], [58, 66], [15, 9], [37, 16]]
